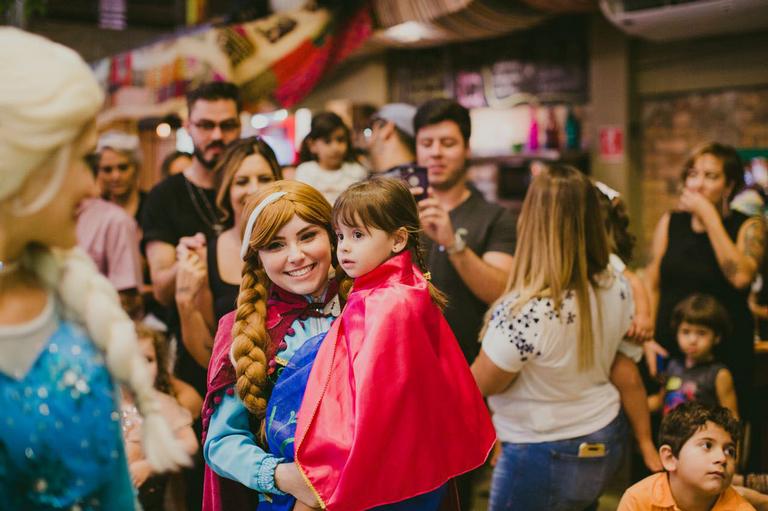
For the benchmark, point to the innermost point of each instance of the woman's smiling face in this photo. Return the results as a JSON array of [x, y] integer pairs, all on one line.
[[298, 258]]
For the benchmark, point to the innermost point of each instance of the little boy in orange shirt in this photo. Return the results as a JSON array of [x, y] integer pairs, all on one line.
[[698, 452]]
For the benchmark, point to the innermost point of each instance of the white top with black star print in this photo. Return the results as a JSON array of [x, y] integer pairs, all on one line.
[[551, 399]]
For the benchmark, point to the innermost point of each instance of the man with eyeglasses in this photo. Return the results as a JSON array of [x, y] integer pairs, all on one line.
[[184, 205], [180, 214]]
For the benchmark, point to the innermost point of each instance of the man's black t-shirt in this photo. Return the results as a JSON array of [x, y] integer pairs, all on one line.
[[173, 209], [489, 228]]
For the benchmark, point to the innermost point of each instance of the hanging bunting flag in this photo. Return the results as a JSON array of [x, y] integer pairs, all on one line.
[[281, 58]]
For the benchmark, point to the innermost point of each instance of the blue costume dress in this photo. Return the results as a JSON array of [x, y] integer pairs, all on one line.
[[61, 444], [230, 447]]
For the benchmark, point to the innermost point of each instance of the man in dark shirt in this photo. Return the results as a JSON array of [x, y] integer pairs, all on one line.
[[470, 241], [183, 205], [180, 212]]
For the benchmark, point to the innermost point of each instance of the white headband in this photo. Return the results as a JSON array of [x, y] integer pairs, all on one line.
[[607, 190], [269, 199]]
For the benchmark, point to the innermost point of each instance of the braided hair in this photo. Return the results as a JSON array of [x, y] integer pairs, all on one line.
[[47, 107], [251, 344]]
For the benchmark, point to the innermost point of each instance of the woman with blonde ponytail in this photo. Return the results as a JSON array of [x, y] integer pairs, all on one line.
[[286, 304], [548, 347], [63, 334]]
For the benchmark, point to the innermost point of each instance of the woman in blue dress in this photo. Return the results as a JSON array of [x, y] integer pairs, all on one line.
[[63, 335]]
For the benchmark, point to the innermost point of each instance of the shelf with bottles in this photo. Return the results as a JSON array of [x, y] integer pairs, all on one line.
[[523, 157], [547, 132]]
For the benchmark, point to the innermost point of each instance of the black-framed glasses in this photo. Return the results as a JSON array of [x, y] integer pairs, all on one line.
[[122, 167], [228, 125]]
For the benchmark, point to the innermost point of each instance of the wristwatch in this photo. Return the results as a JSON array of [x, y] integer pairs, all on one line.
[[459, 244]]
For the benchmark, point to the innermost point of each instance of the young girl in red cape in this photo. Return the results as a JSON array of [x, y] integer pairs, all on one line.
[[391, 412]]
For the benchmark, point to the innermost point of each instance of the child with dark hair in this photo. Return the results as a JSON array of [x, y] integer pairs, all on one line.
[[701, 323], [327, 157], [622, 244], [698, 450], [354, 411], [625, 374], [150, 484]]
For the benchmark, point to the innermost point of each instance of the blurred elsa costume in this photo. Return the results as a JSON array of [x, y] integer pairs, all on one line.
[[61, 443], [60, 438]]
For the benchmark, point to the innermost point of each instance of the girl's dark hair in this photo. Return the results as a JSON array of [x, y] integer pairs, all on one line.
[[228, 165], [703, 310], [733, 167], [617, 226], [388, 205], [323, 126], [160, 343], [684, 421]]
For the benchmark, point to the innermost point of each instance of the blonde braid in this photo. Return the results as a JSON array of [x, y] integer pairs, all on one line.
[[250, 339], [90, 300]]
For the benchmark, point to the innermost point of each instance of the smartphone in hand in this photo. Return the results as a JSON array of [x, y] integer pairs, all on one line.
[[413, 175]]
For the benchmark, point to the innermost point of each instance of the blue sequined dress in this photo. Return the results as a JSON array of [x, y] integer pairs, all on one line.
[[60, 438]]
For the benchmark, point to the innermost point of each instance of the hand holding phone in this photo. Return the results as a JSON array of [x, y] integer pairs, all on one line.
[[414, 176]]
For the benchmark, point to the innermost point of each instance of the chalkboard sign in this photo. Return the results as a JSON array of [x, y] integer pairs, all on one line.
[[546, 64], [420, 76]]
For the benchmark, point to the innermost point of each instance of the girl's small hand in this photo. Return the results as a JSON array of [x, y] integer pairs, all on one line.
[[289, 479], [140, 472], [641, 329]]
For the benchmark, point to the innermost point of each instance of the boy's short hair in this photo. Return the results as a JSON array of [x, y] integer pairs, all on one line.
[[438, 110], [704, 310], [213, 91], [683, 422]]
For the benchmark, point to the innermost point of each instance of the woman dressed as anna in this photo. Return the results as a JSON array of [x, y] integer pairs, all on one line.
[[285, 306], [262, 359]]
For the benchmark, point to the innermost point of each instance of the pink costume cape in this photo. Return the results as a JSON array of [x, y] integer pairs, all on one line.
[[283, 308], [391, 409]]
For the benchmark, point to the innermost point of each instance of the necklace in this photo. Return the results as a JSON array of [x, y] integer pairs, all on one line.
[[7, 267], [205, 212]]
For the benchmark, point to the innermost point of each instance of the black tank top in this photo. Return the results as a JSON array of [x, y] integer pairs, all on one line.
[[689, 266], [224, 294]]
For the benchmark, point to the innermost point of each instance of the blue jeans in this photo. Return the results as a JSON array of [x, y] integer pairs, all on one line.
[[551, 476]]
